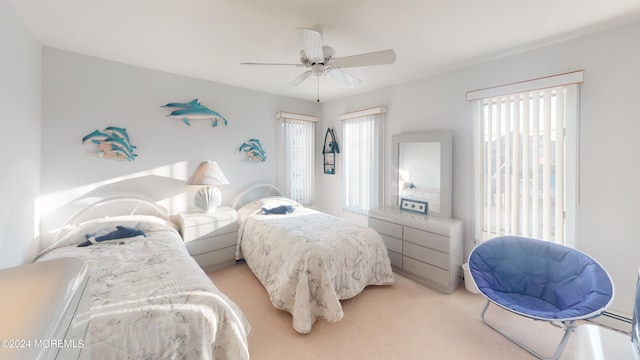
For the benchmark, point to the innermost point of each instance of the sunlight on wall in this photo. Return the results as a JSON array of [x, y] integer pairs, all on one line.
[[165, 185]]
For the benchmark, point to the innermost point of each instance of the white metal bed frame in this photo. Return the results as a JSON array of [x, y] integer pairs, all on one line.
[[255, 192], [113, 206]]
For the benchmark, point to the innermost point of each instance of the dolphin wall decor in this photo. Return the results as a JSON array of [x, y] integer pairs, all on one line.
[[193, 110], [113, 143], [254, 150]]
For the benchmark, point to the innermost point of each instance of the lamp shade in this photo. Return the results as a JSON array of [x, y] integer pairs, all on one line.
[[208, 173]]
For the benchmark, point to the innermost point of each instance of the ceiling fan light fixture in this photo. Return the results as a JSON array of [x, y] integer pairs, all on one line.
[[317, 69], [320, 60]]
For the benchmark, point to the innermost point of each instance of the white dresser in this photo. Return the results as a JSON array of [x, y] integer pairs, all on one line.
[[44, 309], [211, 237], [425, 248]]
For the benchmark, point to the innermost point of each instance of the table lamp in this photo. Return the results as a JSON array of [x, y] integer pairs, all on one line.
[[208, 197]]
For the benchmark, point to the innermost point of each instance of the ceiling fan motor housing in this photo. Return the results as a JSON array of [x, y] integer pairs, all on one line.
[[317, 69], [321, 61]]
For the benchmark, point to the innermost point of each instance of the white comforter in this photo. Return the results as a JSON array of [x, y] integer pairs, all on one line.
[[150, 299], [308, 261]]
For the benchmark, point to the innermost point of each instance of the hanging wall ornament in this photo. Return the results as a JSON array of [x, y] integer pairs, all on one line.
[[329, 151], [112, 143], [254, 150], [193, 110]]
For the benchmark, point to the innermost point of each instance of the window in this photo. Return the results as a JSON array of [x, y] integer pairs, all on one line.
[[362, 151], [295, 152], [526, 158]]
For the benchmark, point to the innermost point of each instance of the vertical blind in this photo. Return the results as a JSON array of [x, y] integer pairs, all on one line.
[[362, 162], [297, 142], [523, 164]]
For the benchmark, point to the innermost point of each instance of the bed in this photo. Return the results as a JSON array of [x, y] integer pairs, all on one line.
[[307, 260], [148, 298]]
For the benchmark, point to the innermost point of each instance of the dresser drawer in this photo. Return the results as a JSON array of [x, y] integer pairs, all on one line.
[[427, 255], [212, 243], [392, 243], [426, 271], [386, 228], [396, 259], [425, 238]]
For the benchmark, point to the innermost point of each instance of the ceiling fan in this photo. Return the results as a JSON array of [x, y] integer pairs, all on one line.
[[321, 60]]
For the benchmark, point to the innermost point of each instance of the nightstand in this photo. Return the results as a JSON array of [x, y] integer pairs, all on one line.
[[210, 237]]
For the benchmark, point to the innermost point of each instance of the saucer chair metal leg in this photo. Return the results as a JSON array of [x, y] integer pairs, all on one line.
[[568, 327]]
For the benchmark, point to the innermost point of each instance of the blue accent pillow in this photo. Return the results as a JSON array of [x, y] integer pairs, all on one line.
[[121, 232], [281, 210]]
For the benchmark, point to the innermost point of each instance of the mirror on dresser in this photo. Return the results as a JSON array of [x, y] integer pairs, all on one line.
[[422, 170]]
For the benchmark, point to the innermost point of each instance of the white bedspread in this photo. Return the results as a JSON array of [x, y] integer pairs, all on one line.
[[308, 261], [150, 299]]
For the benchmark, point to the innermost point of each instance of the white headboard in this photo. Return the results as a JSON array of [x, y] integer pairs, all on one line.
[[255, 192], [115, 206]]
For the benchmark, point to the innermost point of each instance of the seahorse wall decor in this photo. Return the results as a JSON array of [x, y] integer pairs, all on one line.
[[112, 143], [254, 150], [193, 110]]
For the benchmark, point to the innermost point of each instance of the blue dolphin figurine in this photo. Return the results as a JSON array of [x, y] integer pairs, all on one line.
[[120, 141], [95, 137], [253, 149], [197, 112], [120, 132], [124, 152], [194, 110], [191, 103]]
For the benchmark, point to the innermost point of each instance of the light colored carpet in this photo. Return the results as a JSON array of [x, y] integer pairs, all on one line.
[[405, 321]]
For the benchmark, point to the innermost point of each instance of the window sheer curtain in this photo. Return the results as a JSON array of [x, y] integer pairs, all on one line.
[[296, 168], [362, 159], [523, 161]]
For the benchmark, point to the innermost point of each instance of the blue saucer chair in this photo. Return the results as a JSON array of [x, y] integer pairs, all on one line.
[[540, 280]]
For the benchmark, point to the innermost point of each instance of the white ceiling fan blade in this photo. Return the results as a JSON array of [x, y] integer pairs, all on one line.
[[311, 41], [383, 57], [302, 77], [277, 64], [345, 78]]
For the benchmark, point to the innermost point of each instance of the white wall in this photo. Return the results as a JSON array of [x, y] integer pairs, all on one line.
[[20, 139], [82, 94], [609, 171]]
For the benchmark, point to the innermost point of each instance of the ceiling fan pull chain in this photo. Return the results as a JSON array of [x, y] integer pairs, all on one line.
[[318, 97]]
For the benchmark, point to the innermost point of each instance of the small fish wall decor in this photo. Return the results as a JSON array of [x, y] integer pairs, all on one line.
[[112, 143], [254, 150], [193, 110]]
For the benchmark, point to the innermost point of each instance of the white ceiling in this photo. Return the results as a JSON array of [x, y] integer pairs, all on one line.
[[208, 39]]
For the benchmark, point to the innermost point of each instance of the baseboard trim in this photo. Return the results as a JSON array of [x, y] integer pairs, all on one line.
[[615, 321]]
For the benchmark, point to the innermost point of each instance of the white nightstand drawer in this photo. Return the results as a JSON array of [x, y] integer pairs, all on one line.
[[205, 231], [215, 258], [203, 245], [195, 225], [211, 237], [191, 233]]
